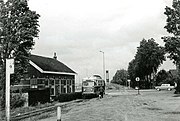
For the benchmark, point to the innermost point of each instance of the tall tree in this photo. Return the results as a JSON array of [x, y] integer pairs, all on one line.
[[148, 58], [120, 77], [132, 74], [19, 27], [172, 43]]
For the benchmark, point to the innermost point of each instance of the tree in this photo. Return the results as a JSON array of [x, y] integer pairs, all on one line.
[[132, 72], [120, 77], [161, 77], [148, 58], [19, 27], [172, 43]]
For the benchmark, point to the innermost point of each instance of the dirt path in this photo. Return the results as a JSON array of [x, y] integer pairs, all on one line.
[[126, 106]]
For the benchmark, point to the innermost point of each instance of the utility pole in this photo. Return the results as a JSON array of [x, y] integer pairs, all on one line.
[[103, 65], [9, 70]]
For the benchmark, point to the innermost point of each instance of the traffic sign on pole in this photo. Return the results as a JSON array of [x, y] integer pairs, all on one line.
[[138, 79], [129, 83]]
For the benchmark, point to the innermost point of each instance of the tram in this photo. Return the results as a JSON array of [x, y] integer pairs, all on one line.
[[92, 85]]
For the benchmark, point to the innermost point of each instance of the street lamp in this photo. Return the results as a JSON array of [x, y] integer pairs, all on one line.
[[103, 65]]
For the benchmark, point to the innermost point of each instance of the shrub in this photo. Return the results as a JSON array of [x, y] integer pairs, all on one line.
[[17, 100], [177, 80], [89, 96], [68, 97]]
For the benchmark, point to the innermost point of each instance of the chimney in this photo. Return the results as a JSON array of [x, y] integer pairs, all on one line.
[[55, 56]]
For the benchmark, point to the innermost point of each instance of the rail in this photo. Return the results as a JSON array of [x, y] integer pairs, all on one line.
[[40, 111]]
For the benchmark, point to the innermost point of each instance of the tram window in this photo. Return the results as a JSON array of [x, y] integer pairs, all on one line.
[[90, 84], [85, 83], [100, 83]]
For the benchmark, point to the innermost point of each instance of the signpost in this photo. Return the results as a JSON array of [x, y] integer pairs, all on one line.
[[129, 83], [9, 70], [138, 79]]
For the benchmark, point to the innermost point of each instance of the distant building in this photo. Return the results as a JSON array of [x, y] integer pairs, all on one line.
[[44, 72]]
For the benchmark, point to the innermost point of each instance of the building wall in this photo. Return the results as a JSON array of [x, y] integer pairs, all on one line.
[[58, 83]]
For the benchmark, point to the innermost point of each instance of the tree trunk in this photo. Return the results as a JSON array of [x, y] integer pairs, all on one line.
[[178, 81]]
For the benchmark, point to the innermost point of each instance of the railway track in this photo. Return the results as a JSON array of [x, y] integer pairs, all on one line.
[[43, 110]]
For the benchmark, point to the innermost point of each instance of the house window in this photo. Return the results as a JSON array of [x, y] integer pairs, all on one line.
[[73, 85], [63, 86], [52, 91], [41, 82], [51, 82], [52, 85], [57, 81], [46, 82], [33, 86], [69, 85], [33, 83]]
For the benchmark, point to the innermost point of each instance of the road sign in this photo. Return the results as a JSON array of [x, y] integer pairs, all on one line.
[[137, 79]]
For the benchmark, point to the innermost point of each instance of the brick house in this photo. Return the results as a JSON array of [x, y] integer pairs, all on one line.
[[45, 72]]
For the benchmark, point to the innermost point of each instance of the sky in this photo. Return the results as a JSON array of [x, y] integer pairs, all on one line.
[[77, 30]]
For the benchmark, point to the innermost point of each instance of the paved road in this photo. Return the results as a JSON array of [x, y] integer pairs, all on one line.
[[128, 91]]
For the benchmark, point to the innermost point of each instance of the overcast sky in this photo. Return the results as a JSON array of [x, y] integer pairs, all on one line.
[[78, 29]]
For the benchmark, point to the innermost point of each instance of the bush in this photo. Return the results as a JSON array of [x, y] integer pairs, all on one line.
[[68, 97], [177, 89], [17, 100], [89, 96]]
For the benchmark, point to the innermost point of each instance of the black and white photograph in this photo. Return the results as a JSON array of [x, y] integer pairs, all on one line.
[[89, 60]]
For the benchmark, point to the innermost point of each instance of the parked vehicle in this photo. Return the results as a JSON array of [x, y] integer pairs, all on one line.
[[164, 87], [92, 85]]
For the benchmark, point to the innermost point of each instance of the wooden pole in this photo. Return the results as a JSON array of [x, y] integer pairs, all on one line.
[[58, 113], [9, 70], [7, 92]]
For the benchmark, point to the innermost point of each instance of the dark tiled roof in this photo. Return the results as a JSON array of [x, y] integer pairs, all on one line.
[[50, 64]]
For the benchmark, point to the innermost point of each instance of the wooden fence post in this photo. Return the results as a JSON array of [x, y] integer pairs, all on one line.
[[58, 113]]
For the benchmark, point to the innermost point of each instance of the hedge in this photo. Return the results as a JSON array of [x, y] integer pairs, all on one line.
[[68, 97], [16, 100]]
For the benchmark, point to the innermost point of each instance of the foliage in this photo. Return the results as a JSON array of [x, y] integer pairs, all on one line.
[[166, 77], [132, 69], [16, 100], [132, 72], [178, 85], [148, 58], [172, 43], [161, 76], [120, 77], [173, 21], [19, 27], [68, 97]]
